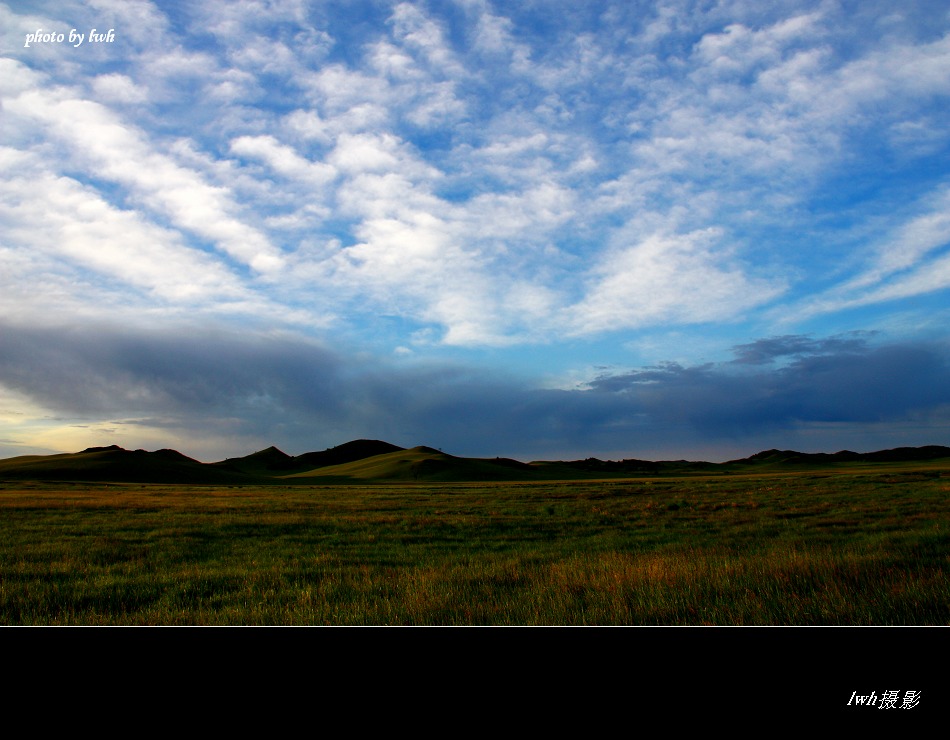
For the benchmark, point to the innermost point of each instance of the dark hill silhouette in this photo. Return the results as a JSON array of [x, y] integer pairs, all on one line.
[[273, 461], [594, 466], [790, 458], [115, 464], [266, 462], [358, 449], [903, 454], [422, 464], [365, 461]]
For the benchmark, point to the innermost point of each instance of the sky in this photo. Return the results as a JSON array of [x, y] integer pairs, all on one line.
[[537, 229]]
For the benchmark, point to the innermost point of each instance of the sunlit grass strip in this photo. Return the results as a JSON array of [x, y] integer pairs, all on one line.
[[785, 586], [789, 586]]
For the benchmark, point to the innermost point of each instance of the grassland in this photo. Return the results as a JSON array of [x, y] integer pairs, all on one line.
[[860, 547]]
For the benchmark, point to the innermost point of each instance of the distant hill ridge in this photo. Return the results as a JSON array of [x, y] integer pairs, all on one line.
[[898, 454], [273, 460], [367, 460]]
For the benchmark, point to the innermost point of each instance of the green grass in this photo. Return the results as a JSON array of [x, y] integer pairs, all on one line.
[[803, 549]]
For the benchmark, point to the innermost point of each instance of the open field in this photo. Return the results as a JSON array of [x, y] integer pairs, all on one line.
[[869, 546]]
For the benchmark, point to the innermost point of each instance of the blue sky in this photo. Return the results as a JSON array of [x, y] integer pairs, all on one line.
[[536, 229]]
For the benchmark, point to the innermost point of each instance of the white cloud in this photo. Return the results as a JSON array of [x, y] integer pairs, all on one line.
[[68, 252], [666, 278], [96, 140], [417, 31], [15, 78], [339, 89], [360, 153], [901, 265], [738, 48], [477, 171], [137, 21], [309, 126], [913, 240], [924, 279], [179, 65], [283, 159], [116, 88], [390, 61], [59, 216]]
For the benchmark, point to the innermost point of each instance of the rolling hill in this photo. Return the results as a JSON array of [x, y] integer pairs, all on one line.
[[115, 464], [367, 461], [422, 463], [273, 462]]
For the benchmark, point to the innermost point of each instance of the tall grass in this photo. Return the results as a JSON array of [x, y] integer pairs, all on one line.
[[781, 550]]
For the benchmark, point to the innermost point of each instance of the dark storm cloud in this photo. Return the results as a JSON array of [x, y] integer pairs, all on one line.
[[302, 395], [834, 380], [109, 370], [298, 392], [763, 351]]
